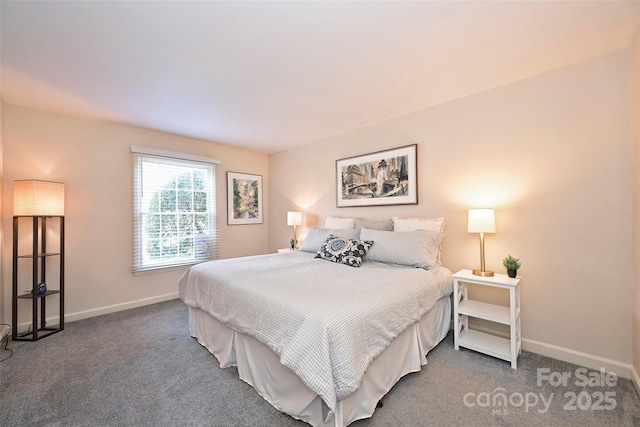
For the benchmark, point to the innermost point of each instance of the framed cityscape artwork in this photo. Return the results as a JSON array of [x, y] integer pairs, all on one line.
[[382, 178]]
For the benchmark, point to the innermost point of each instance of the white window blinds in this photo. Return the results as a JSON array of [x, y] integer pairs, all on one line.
[[174, 209]]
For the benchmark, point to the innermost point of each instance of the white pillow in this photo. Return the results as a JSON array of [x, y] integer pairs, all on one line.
[[375, 224], [410, 224], [317, 236], [341, 223], [417, 248]]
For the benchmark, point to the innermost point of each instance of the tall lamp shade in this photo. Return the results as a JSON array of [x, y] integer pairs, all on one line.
[[38, 198], [294, 219], [482, 221]]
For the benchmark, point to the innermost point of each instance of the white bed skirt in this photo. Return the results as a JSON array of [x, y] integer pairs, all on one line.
[[280, 386]]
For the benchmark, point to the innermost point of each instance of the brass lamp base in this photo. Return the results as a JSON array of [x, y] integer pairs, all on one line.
[[482, 273]]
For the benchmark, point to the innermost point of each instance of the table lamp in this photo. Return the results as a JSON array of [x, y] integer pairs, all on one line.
[[294, 219], [482, 221]]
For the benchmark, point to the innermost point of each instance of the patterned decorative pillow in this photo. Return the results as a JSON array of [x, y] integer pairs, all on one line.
[[344, 251]]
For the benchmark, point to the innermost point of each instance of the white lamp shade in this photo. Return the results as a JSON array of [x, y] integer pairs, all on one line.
[[481, 221], [38, 198], [294, 218]]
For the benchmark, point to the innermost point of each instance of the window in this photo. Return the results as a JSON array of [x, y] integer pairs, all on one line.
[[174, 218]]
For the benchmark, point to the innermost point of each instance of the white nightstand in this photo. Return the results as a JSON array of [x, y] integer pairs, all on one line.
[[463, 308], [286, 251]]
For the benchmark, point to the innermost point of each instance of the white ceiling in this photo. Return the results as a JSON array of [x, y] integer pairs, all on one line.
[[274, 75]]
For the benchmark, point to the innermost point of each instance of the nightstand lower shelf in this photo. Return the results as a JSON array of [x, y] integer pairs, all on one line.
[[485, 343]]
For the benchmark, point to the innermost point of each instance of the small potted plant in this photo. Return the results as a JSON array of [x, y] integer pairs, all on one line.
[[512, 265]]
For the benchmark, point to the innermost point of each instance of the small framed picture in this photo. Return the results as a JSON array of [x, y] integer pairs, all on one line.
[[382, 178], [244, 198]]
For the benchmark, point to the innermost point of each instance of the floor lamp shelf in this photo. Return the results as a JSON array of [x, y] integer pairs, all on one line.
[[34, 254]]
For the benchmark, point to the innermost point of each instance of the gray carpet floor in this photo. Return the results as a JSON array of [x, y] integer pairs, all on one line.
[[140, 368]]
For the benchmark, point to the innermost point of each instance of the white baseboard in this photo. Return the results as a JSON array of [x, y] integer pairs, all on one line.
[[635, 379], [590, 361], [72, 317], [118, 307]]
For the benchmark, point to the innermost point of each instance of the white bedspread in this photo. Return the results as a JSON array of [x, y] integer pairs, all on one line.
[[326, 321]]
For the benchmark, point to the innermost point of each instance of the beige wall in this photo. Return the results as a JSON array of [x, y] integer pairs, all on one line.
[[93, 159], [2, 232], [552, 155], [636, 204]]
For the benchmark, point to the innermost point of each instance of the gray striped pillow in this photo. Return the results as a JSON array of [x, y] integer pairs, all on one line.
[[417, 248]]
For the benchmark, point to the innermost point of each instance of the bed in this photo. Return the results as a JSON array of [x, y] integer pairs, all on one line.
[[321, 341]]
